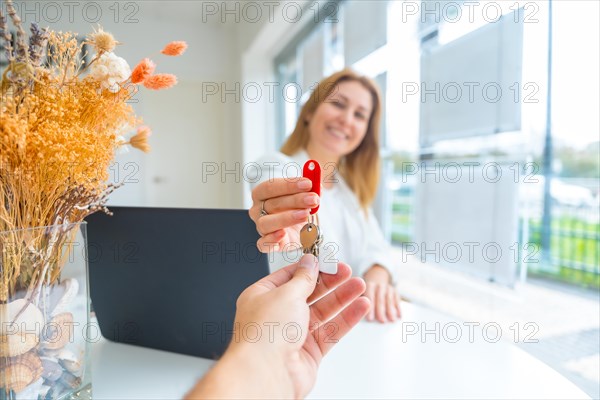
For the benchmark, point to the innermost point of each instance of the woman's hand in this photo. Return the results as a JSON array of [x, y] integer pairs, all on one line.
[[385, 301], [287, 203], [284, 325]]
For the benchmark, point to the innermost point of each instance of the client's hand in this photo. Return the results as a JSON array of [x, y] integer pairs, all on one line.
[[385, 301], [288, 203], [284, 325]]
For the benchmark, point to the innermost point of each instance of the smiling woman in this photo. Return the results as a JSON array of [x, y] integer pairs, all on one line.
[[344, 109], [331, 126], [339, 127]]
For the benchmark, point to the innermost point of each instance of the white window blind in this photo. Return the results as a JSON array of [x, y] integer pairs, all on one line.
[[468, 86], [365, 28], [312, 60]]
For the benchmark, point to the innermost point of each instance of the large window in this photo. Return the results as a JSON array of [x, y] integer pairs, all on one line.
[[424, 55]]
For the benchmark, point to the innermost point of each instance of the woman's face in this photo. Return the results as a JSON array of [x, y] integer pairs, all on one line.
[[340, 123]]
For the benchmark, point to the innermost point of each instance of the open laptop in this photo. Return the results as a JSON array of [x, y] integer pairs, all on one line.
[[169, 278]]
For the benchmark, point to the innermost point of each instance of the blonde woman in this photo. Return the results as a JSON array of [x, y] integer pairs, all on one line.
[[339, 127]]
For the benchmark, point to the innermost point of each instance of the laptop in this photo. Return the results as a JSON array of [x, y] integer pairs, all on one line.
[[168, 278]]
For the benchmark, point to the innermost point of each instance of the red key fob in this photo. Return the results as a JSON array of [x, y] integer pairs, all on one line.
[[312, 171]]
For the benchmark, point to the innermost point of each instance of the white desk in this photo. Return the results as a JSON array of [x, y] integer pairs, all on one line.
[[372, 361]]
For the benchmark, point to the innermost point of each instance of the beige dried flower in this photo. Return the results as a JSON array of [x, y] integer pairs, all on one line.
[[102, 41]]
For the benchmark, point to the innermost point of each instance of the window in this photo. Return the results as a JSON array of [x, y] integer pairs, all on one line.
[[404, 52], [546, 221]]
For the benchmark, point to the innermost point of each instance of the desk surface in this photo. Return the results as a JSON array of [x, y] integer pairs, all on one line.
[[372, 361]]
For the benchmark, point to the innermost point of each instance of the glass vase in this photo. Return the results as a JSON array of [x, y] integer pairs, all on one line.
[[44, 313]]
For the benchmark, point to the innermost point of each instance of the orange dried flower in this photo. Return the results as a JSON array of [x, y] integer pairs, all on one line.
[[160, 81], [140, 139], [142, 71], [174, 48]]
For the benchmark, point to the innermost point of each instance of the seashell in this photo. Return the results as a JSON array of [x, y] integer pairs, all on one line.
[[30, 318], [70, 361], [20, 372], [15, 345], [66, 355], [52, 369], [62, 296], [58, 332], [31, 392], [70, 380], [73, 367], [49, 353], [20, 325]]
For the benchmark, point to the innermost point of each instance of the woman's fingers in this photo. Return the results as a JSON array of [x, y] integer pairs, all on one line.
[[278, 195], [380, 302], [385, 302], [276, 205], [370, 294], [271, 242], [280, 187], [271, 223], [398, 311], [391, 308]]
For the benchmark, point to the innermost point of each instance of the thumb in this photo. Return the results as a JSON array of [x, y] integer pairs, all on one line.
[[305, 276]]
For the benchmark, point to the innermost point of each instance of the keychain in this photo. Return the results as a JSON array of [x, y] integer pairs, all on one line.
[[311, 237]]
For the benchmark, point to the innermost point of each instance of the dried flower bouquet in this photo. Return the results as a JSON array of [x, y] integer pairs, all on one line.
[[61, 122]]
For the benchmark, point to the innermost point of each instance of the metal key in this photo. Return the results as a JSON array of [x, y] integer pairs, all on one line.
[[311, 239]]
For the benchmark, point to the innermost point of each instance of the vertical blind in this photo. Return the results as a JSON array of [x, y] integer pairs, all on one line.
[[365, 28]]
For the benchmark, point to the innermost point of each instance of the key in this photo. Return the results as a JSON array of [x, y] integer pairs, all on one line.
[[311, 239]]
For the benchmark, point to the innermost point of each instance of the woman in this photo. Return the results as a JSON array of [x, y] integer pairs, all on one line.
[[339, 127]]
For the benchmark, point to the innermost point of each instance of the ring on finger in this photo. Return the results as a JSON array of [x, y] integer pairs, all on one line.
[[263, 212]]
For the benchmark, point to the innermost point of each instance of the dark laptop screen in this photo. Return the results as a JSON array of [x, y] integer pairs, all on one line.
[[169, 278]]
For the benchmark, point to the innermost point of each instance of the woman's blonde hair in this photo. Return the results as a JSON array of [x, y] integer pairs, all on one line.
[[360, 168]]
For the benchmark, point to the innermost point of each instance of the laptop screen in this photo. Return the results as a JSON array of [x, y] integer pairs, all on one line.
[[169, 278]]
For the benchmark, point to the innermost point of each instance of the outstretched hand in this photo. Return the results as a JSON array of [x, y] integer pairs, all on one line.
[[299, 322]]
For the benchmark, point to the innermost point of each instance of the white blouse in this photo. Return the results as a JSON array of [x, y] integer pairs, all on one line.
[[352, 236]]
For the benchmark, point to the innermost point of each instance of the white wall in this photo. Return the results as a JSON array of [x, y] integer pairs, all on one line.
[[187, 131], [258, 53]]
